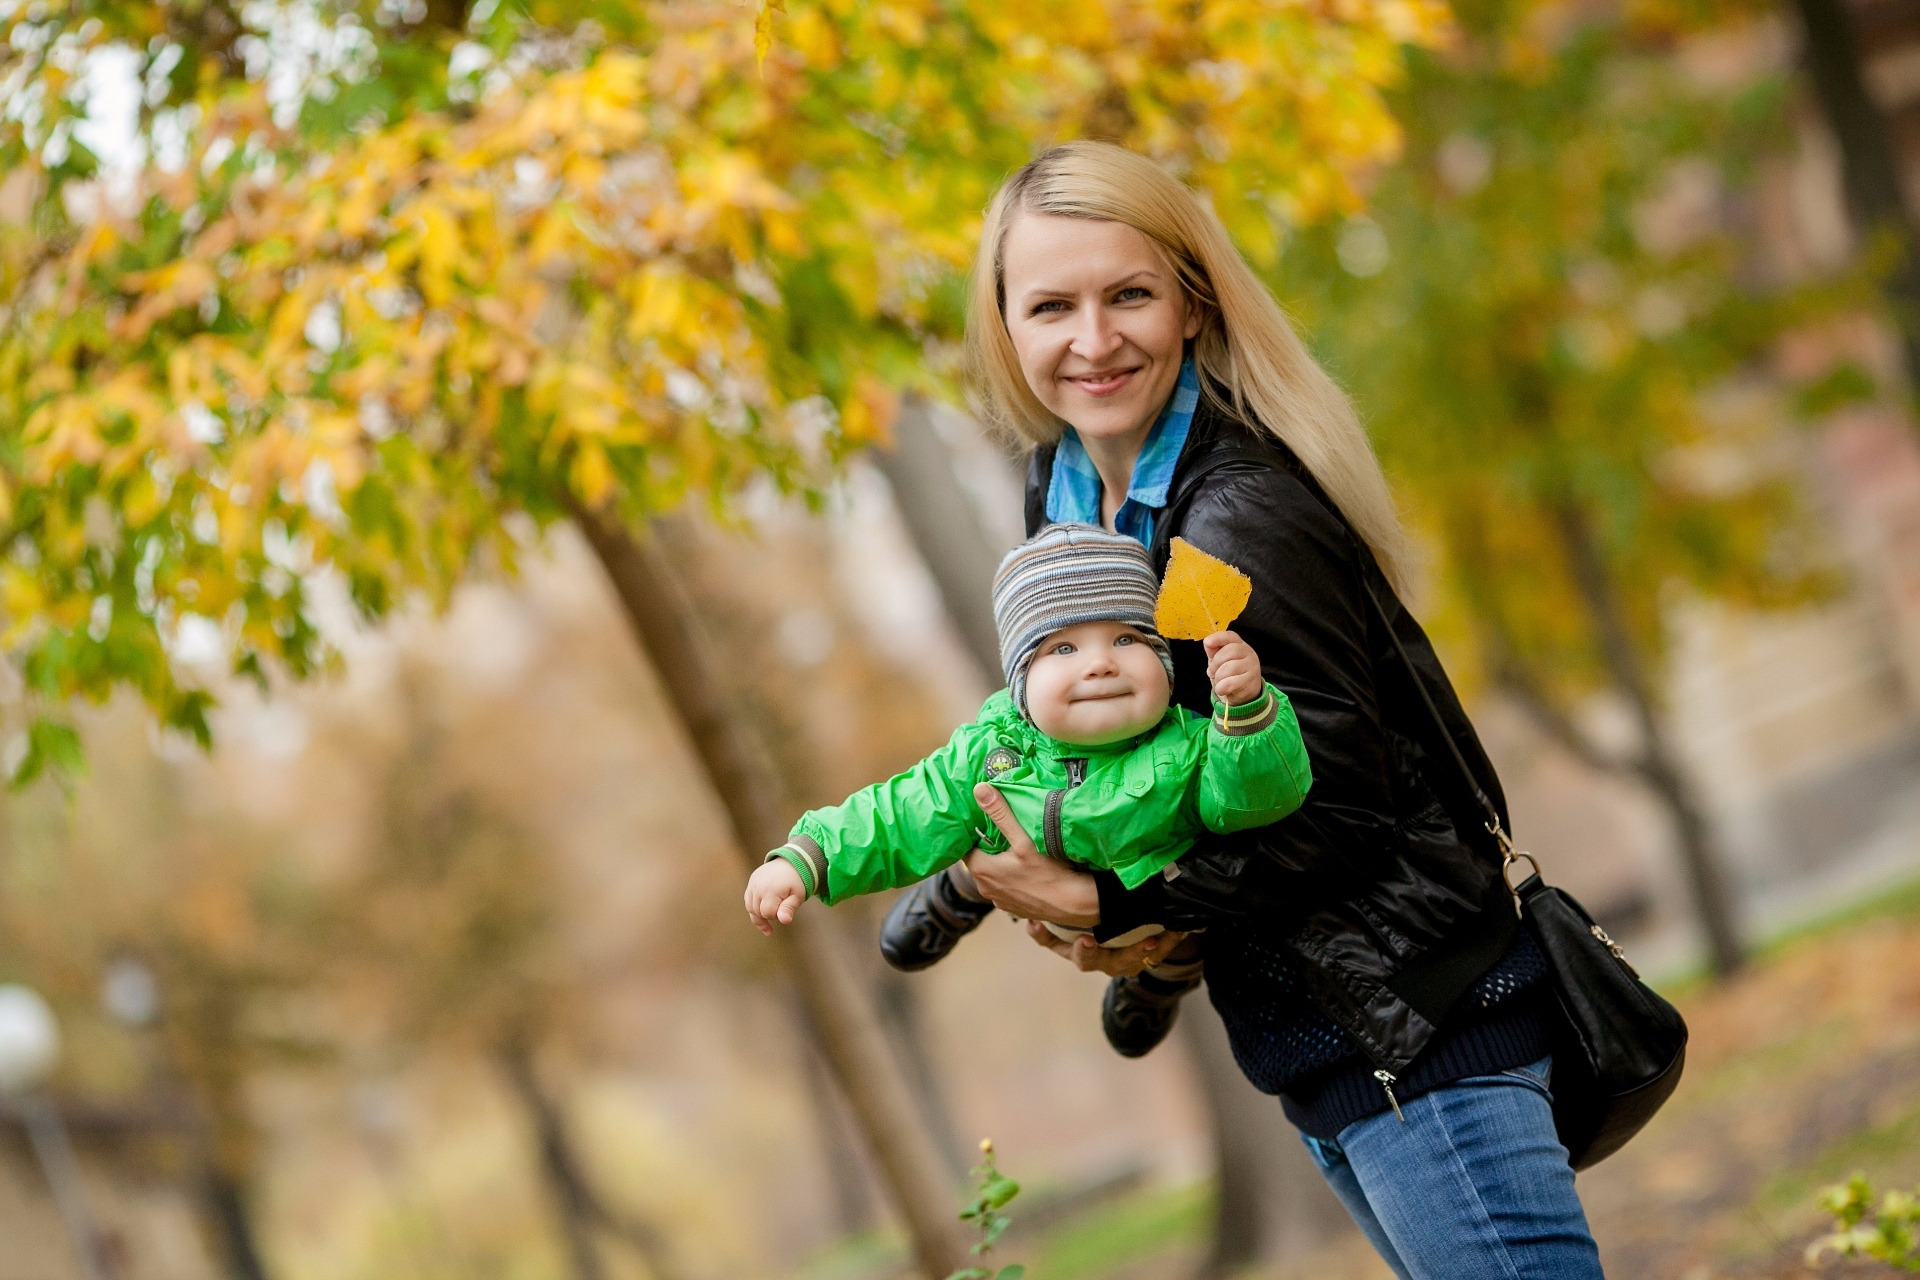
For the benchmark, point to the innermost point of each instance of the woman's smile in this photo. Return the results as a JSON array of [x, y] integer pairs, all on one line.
[[1103, 384]]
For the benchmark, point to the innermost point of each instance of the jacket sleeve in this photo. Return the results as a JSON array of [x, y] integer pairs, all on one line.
[[1308, 620], [1255, 769], [894, 832]]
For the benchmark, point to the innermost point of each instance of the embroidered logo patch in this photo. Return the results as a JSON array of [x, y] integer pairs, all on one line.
[[1001, 760]]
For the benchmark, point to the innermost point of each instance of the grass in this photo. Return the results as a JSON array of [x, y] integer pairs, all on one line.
[[1141, 1225], [1784, 1209], [1140, 1234], [1138, 1227], [1895, 902]]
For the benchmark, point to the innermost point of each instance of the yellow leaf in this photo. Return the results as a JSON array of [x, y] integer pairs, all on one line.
[[867, 417], [592, 477], [763, 29], [1200, 595]]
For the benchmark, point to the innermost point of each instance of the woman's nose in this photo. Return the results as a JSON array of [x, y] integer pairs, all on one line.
[[1095, 337]]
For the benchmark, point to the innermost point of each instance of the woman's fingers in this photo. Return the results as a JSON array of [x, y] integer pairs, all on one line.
[[1048, 939], [1000, 814]]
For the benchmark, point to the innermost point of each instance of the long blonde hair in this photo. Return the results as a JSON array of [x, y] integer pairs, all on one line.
[[1245, 346]]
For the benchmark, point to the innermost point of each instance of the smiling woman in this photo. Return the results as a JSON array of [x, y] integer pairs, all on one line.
[[1362, 951]]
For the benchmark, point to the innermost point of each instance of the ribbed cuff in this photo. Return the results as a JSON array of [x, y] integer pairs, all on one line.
[[808, 859], [1248, 718]]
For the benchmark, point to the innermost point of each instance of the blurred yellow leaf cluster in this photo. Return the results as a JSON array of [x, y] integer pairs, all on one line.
[[565, 253]]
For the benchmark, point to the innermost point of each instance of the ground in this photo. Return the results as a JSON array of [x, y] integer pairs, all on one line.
[[1801, 1071]]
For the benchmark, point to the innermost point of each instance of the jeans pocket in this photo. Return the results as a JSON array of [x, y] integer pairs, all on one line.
[[1537, 1076]]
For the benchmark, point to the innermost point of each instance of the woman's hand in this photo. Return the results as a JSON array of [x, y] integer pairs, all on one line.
[[1090, 957], [1023, 881]]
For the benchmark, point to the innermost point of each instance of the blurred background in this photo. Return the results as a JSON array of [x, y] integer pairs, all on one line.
[[472, 474]]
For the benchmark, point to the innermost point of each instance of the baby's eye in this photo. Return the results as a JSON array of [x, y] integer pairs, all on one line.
[[1120, 640], [1062, 649]]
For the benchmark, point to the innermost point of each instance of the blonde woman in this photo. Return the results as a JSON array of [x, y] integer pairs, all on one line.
[[1363, 952]]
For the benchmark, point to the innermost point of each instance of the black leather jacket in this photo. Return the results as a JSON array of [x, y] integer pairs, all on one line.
[[1383, 892]]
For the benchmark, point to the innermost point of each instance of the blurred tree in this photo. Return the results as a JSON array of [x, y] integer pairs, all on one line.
[[1533, 318], [1869, 158], [222, 931], [353, 284]]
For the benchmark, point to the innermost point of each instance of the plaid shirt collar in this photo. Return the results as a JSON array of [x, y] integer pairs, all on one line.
[[1074, 493]]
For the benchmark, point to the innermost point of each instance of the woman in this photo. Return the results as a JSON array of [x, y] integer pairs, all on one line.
[[1363, 953]]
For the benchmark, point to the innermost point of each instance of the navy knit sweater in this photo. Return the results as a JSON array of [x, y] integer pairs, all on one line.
[[1287, 1046]]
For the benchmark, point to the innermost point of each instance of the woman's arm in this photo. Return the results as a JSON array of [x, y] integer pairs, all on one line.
[[1026, 883]]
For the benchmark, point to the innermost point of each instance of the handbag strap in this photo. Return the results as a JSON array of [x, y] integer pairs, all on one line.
[[1267, 457], [1495, 828]]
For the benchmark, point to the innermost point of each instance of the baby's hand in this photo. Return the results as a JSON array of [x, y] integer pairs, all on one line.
[[774, 892], [1234, 669]]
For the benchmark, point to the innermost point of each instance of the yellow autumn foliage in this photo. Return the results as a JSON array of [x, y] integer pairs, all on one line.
[[647, 256]]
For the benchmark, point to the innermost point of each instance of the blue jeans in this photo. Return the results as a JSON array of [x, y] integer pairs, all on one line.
[[1474, 1186]]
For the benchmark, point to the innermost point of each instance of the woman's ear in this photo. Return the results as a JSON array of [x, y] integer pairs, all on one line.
[[1196, 317]]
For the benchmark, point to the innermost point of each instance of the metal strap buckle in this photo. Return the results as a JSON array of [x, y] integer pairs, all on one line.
[[1508, 856]]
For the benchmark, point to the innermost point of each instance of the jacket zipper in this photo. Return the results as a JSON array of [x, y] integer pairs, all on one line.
[[1056, 845], [1386, 1079]]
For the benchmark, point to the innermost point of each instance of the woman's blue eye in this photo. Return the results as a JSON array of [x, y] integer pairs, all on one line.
[[1129, 293], [1049, 305]]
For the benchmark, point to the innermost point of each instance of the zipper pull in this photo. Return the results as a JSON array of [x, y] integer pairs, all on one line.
[[1386, 1079], [1614, 947], [1076, 771]]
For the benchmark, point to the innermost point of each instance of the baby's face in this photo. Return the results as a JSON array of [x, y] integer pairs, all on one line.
[[1096, 683]]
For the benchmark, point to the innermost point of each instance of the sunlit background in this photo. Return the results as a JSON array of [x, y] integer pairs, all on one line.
[[438, 440]]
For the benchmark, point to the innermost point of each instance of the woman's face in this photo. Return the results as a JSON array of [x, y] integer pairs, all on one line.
[[1097, 319]]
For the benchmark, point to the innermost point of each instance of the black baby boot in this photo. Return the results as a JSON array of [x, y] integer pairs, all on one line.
[[927, 920], [1139, 1011]]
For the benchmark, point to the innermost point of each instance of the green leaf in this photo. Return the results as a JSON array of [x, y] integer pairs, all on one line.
[[51, 746]]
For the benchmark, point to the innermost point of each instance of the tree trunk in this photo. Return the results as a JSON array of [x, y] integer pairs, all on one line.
[[1271, 1201], [559, 1166], [581, 1209], [853, 1199], [1869, 160], [226, 1205], [898, 1002], [842, 1017], [1699, 854], [946, 529]]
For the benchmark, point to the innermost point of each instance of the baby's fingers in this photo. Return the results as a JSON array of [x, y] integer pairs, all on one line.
[[788, 906], [1219, 640]]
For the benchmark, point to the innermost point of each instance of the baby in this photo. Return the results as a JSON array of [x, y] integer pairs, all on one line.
[[1083, 746]]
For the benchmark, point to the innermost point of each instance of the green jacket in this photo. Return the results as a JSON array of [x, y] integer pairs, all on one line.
[[1131, 807]]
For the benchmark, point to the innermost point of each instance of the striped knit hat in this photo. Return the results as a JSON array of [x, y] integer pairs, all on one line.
[[1063, 576]]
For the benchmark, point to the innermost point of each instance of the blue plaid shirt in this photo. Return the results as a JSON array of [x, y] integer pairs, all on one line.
[[1074, 493]]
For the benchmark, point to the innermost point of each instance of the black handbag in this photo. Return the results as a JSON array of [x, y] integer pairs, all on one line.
[[1618, 1047]]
